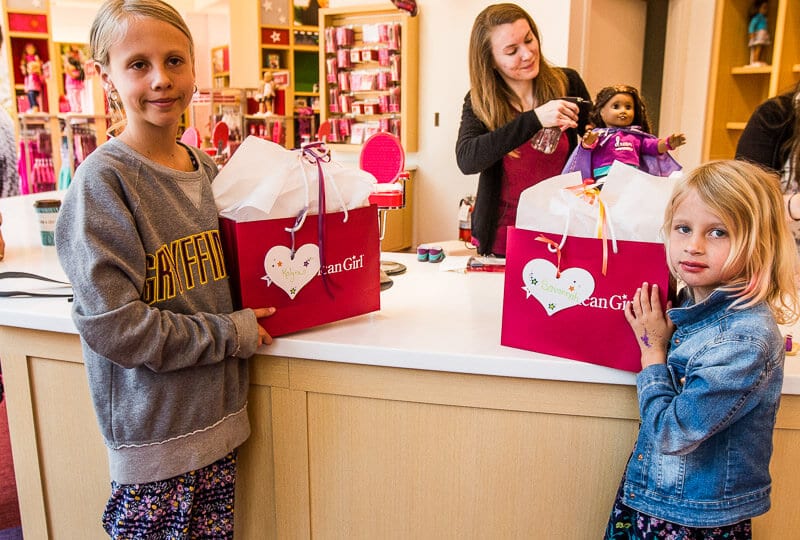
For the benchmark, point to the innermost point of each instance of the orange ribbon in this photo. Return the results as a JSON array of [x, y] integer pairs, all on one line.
[[555, 248], [590, 193]]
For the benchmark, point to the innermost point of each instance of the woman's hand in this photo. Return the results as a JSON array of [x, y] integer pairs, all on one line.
[[558, 113], [651, 325], [263, 337]]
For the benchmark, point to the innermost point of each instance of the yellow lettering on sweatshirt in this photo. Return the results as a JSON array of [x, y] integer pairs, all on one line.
[[182, 265]]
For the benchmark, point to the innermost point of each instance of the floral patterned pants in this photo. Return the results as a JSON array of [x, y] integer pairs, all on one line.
[[197, 504], [628, 524]]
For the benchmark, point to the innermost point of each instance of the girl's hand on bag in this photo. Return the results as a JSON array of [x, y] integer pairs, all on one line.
[[650, 323], [263, 337], [558, 112]]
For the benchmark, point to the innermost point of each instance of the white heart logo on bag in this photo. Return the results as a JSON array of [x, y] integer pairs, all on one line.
[[289, 274], [571, 288]]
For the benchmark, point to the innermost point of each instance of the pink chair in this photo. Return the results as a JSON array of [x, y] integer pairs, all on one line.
[[191, 137]]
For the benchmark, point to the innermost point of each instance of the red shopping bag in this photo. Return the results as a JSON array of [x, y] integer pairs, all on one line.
[[567, 307], [325, 281]]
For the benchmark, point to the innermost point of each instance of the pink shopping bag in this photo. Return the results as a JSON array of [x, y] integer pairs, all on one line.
[[569, 308]]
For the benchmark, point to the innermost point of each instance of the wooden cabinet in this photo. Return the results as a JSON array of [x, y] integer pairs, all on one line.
[[369, 73], [289, 39], [220, 67], [737, 88]]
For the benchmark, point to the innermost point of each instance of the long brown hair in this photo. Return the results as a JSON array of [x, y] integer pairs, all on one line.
[[493, 101], [794, 142]]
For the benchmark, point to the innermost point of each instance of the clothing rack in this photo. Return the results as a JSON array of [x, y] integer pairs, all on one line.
[[81, 134], [36, 163]]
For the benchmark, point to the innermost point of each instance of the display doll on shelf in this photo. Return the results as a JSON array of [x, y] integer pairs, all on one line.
[[74, 76], [266, 95], [622, 133], [31, 67], [758, 32], [406, 5]]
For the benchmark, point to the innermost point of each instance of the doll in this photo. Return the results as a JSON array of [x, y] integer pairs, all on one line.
[[407, 5], [758, 32], [622, 133], [266, 96], [31, 68], [74, 79]]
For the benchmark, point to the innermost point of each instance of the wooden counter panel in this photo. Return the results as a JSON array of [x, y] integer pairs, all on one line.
[[57, 448], [505, 393], [357, 451], [255, 485], [392, 469]]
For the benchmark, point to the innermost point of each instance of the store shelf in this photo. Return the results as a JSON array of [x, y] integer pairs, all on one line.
[[368, 64], [737, 89]]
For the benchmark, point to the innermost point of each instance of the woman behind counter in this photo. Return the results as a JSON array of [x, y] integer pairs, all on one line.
[[771, 139], [513, 94]]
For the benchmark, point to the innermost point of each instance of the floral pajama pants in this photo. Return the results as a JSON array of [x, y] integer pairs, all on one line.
[[197, 504]]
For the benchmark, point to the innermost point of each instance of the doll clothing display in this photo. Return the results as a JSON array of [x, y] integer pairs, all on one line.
[[629, 145]]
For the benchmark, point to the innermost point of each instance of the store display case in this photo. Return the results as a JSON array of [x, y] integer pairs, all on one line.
[[38, 160], [289, 38], [736, 88], [31, 53], [369, 74], [211, 107]]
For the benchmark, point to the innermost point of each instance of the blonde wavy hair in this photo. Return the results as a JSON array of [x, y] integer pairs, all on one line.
[[763, 261]]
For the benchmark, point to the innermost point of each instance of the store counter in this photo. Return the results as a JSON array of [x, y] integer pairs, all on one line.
[[409, 422]]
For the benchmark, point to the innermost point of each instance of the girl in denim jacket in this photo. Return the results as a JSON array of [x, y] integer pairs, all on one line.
[[712, 367]]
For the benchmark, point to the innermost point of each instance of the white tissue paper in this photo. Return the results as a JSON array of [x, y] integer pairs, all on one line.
[[264, 180], [635, 202]]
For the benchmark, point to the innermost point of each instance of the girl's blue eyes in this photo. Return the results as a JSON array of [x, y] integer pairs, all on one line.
[[714, 233]]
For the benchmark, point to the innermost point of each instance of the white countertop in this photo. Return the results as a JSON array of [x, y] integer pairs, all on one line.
[[429, 319]]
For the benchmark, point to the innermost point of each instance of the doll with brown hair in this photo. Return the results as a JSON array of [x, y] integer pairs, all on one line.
[[31, 67], [622, 133], [758, 32], [74, 76]]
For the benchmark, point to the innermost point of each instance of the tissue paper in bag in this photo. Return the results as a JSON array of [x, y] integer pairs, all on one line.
[[557, 300], [328, 268]]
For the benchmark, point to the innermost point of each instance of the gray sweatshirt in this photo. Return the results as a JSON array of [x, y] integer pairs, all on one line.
[[164, 351]]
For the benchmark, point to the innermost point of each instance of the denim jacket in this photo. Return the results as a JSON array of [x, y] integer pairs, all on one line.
[[705, 440]]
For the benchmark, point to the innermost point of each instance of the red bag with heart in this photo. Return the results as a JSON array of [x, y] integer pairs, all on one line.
[[314, 269], [568, 273]]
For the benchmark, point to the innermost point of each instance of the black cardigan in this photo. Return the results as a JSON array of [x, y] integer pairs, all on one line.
[[479, 150], [764, 139]]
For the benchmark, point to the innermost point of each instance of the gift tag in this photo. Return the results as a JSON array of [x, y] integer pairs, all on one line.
[[289, 274], [572, 287]]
